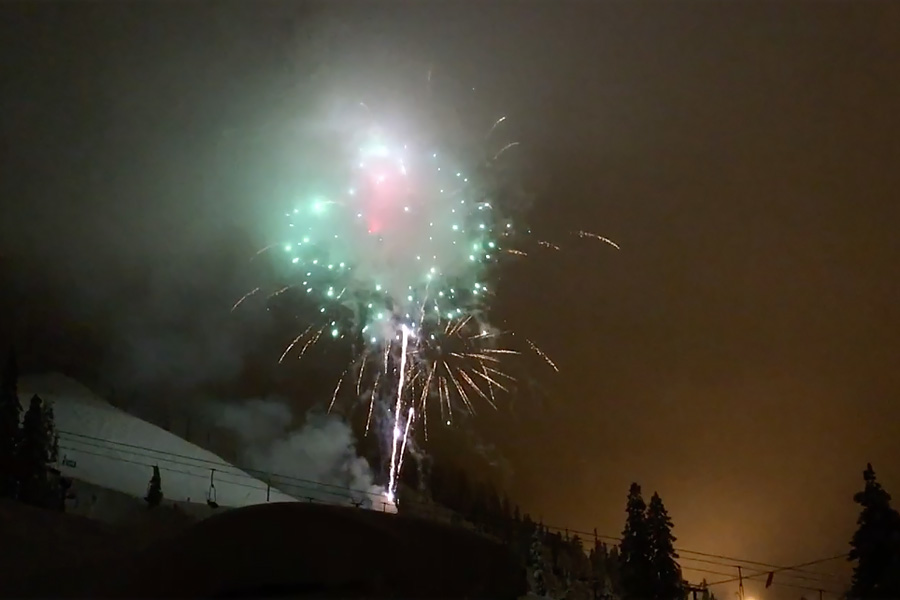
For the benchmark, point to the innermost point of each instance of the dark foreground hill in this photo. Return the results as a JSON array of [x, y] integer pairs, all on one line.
[[32, 537], [297, 550]]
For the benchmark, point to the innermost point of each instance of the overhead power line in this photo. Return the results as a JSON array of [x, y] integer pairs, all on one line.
[[782, 569], [794, 571], [223, 468], [778, 583], [799, 574]]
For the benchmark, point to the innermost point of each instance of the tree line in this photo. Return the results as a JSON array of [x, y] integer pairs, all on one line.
[[29, 447], [558, 565], [644, 564]]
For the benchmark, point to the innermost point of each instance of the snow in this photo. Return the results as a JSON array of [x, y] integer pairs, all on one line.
[[105, 446]]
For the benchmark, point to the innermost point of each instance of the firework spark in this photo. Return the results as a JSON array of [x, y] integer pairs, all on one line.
[[244, 297], [392, 486], [542, 354], [605, 240], [399, 246], [504, 149]]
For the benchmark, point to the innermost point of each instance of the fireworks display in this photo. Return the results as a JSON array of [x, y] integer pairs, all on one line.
[[396, 250]]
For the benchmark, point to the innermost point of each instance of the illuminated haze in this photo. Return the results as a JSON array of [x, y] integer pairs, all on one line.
[[738, 356]]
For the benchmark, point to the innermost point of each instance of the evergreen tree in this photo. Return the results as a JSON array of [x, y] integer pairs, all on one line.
[[600, 574], [579, 569], [536, 562], [580, 564], [154, 489], [597, 557], [635, 551], [36, 453], [521, 541], [504, 525], [48, 420], [10, 417], [875, 546], [613, 571], [668, 582]]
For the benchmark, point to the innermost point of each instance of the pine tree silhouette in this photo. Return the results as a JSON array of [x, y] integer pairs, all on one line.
[[600, 574], [48, 419], [536, 562], [598, 557], [635, 552], [154, 489], [612, 570], [10, 416], [875, 546], [668, 581], [36, 453]]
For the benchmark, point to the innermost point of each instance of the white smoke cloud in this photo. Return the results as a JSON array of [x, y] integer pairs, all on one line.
[[318, 461]]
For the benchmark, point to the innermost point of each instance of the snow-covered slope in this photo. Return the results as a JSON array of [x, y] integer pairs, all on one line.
[[105, 446]]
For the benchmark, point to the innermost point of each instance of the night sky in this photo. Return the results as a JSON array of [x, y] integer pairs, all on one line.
[[738, 355]]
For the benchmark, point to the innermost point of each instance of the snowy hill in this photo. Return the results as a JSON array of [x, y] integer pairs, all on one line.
[[105, 446]]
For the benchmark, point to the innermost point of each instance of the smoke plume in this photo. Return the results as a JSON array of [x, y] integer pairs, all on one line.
[[316, 462]]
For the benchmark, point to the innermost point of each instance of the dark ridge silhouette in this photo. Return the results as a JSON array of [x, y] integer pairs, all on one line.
[[298, 549]]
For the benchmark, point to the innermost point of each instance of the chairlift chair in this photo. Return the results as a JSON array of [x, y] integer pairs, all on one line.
[[211, 494]]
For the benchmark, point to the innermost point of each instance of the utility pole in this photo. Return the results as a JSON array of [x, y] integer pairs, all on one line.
[[693, 589], [741, 584]]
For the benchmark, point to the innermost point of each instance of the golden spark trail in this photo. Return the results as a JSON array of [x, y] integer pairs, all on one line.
[[485, 335], [490, 383], [542, 354], [468, 380], [459, 325], [500, 373], [445, 398], [371, 405], [311, 342], [279, 292], [291, 345], [244, 297], [424, 399], [588, 234], [260, 251], [493, 127], [459, 388], [337, 389], [359, 378], [504, 149], [492, 359], [491, 380]]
